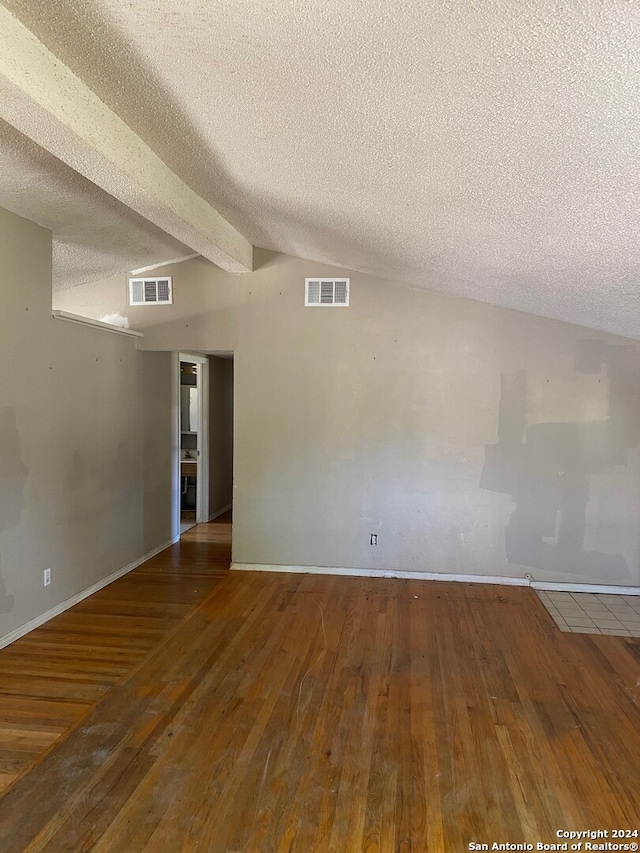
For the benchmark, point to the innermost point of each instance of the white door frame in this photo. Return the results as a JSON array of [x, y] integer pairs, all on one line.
[[202, 481]]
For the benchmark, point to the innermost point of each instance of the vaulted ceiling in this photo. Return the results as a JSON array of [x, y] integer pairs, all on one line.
[[488, 150]]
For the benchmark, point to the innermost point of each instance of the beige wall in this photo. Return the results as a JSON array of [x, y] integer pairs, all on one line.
[[157, 456], [471, 439], [79, 436]]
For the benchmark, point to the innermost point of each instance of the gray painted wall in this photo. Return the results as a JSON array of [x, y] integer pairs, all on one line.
[[157, 379], [83, 459], [220, 434], [472, 439]]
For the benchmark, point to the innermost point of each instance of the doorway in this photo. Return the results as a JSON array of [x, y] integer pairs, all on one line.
[[193, 443], [203, 405]]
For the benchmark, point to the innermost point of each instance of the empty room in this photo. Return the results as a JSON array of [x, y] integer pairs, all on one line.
[[320, 426]]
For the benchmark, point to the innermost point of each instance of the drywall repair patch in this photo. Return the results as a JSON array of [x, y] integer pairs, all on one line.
[[547, 467]]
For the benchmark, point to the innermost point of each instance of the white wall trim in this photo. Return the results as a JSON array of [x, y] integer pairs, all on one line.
[[175, 441], [202, 512], [80, 596], [220, 512], [202, 487], [437, 576], [603, 589], [379, 573], [95, 324]]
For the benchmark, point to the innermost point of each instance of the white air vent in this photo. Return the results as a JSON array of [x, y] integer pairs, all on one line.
[[326, 291], [150, 291]]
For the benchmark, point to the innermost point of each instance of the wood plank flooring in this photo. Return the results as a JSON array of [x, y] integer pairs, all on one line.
[[53, 677], [189, 708]]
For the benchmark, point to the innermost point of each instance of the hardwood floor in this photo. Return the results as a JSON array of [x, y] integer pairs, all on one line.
[[53, 677], [189, 708]]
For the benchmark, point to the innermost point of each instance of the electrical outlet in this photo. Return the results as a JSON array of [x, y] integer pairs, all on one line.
[[47, 577], [374, 539]]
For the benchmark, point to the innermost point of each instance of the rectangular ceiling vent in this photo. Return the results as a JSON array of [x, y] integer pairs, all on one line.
[[150, 291], [326, 291]]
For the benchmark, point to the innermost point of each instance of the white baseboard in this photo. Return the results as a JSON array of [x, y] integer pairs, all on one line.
[[603, 589], [319, 570], [85, 593], [220, 512], [379, 573], [437, 576]]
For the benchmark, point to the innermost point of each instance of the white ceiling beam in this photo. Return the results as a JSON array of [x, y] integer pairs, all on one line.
[[47, 102], [172, 262]]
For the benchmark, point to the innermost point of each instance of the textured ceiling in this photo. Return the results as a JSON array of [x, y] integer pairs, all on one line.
[[484, 149], [94, 235]]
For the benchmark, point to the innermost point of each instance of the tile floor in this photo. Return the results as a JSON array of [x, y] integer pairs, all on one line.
[[593, 613]]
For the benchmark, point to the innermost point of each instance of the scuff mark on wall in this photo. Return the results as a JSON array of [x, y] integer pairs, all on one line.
[[13, 476], [547, 467]]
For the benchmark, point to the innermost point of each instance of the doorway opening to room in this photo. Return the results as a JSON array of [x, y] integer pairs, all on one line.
[[193, 440], [204, 445]]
